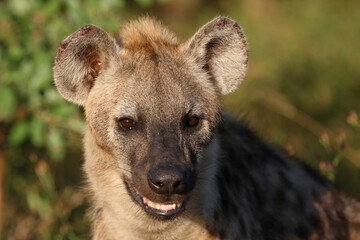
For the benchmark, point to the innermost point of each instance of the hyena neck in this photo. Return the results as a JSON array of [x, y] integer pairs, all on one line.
[[257, 182]]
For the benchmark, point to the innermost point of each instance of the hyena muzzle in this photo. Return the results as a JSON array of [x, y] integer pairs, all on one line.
[[161, 159]]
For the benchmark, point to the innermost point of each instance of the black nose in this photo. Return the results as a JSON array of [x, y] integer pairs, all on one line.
[[169, 179]]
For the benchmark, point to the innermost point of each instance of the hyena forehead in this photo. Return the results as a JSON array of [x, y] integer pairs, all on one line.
[[156, 76], [151, 52], [149, 99]]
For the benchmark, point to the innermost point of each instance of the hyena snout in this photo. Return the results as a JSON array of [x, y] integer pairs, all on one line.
[[170, 179]]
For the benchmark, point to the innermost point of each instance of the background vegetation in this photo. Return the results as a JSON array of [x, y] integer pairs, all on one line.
[[301, 93]]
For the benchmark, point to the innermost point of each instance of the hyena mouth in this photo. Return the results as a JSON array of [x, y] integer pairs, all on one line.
[[163, 209]]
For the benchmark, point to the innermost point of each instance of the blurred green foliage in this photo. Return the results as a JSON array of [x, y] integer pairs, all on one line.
[[303, 79], [40, 128]]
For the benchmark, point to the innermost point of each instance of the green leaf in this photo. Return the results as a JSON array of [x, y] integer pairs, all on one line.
[[56, 144], [22, 7], [144, 3], [8, 103], [18, 133], [53, 97], [162, 1], [108, 5], [40, 78], [15, 53], [52, 7], [35, 102], [45, 178], [37, 203], [37, 131], [65, 110]]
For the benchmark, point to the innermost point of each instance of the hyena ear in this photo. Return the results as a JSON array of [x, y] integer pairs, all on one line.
[[80, 60], [220, 48]]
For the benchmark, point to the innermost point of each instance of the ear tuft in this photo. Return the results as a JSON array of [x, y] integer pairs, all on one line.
[[80, 60], [220, 48]]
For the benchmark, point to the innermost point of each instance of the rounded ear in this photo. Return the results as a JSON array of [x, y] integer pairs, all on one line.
[[81, 58], [220, 48]]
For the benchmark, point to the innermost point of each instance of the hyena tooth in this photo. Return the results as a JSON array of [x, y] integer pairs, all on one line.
[[159, 206]]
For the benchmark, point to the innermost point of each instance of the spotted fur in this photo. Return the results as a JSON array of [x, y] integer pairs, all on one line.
[[241, 188]]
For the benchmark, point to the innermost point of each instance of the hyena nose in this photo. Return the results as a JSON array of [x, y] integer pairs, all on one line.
[[169, 179]]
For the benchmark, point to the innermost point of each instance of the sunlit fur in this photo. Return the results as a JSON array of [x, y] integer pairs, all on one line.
[[244, 188]]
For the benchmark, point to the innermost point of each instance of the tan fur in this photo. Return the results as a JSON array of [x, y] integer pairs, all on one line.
[[146, 32], [154, 79], [86, 72]]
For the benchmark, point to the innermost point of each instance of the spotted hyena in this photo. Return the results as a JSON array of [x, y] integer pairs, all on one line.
[[161, 159]]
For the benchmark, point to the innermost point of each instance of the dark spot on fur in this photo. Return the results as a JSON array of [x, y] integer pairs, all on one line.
[[234, 209], [64, 44], [222, 21], [280, 196], [90, 80], [300, 203], [192, 156], [154, 57], [222, 234], [211, 46], [285, 179], [224, 203], [119, 42], [303, 231], [73, 89], [216, 216], [86, 29], [236, 25]]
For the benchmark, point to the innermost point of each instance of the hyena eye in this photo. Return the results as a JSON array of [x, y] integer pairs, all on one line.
[[193, 121], [127, 123]]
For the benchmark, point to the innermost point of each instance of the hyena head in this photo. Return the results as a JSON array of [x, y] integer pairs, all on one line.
[[151, 105]]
